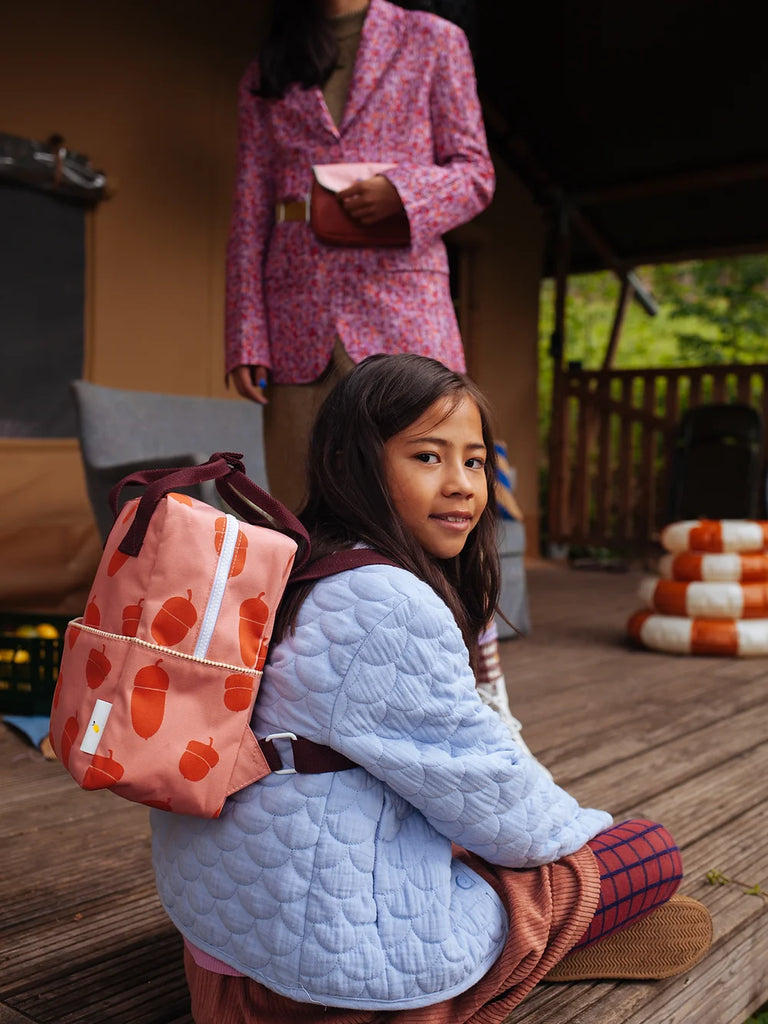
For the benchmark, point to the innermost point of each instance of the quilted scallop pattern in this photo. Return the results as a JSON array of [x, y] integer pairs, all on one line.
[[340, 888]]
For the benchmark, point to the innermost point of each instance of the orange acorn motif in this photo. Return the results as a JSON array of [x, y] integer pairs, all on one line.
[[253, 618], [161, 805], [198, 759], [262, 654], [132, 617], [241, 546], [174, 620], [238, 691], [102, 772], [130, 512], [97, 667], [183, 499], [73, 633], [57, 691], [92, 615], [68, 737], [148, 699], [117, 561]]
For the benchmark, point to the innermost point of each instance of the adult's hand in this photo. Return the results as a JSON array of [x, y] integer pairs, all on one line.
[[250, 382], [371, 200]]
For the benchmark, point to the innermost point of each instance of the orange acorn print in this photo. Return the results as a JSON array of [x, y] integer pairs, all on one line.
[[116, 562], [92, 615], [73, 633], [130, 512], [97, 667], [253, 618], [57, 691], [262, 654], [161, 805], [102, 772], [132, 617], [174, 620], [183, 499], [238, 691], [198, 759], [148, 699], [68, 737], [241, 546]]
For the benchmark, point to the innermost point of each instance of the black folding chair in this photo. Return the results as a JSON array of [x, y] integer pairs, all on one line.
[[717, 464]]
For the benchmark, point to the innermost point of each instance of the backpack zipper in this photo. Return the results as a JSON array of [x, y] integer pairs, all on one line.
[[224, 564]]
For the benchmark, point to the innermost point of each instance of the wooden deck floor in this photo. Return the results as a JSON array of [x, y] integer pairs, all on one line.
[[680, 740]]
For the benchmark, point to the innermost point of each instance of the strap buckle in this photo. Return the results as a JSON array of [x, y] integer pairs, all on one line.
[[282, 736]]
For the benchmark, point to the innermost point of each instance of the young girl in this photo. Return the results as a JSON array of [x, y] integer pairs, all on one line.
[[439, 873]]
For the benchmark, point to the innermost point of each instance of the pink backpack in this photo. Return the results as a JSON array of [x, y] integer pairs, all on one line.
[[159, 677]]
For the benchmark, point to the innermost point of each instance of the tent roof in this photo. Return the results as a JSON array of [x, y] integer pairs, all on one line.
[[647, 120]]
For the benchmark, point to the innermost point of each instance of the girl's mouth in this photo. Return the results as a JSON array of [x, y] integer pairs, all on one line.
[[453, 518]]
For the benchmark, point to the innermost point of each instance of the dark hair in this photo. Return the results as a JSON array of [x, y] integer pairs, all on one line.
[[348, 499], [300, 48]]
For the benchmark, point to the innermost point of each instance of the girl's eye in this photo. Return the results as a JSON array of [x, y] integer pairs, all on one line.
[[428, 457], [475, 463]]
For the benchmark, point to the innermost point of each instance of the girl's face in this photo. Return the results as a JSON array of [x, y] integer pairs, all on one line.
[[436, 476]]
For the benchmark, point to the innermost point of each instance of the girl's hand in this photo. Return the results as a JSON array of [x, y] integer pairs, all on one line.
[[250, 382], [371, 200]]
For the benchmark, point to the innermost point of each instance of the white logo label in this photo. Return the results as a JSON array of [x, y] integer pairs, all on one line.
[[96, 727]]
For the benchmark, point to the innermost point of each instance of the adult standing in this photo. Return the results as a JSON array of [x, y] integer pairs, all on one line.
[[345, 81], [350, 81]]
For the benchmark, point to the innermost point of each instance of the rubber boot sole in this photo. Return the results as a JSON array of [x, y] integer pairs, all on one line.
[[668, 941]]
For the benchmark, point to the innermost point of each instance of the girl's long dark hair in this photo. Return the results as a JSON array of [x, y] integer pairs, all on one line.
[[349, 501], [300, 49]]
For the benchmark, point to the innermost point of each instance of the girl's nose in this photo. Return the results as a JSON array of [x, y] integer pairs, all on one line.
[[459, 481]]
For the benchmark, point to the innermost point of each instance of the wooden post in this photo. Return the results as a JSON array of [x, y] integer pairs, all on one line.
[[558, 449]]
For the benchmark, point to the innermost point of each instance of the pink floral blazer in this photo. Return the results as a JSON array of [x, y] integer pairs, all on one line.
[[412, 101]]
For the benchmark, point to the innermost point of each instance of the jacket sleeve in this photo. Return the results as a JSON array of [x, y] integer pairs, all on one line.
[[460, 183], [247, 339], [408, 712]]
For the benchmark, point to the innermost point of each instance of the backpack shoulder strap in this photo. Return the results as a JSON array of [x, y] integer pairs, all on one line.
[[340, 561]]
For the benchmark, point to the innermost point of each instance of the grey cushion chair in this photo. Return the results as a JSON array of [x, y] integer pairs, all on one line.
[[514, 591], [121, 431]]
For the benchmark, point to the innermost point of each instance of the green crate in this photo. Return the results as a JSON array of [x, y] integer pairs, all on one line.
[[29, 665]]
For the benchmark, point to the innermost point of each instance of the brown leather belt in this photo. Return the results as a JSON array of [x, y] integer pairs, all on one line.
[[292, 209]]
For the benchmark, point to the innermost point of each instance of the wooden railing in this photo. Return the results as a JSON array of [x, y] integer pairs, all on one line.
[[611, 444]]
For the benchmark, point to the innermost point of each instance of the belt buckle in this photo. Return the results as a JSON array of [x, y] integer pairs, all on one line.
[[280, 209], [282, 736]]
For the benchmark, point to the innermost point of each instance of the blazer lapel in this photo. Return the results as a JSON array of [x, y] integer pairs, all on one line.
[[379, 40], [311, 107]]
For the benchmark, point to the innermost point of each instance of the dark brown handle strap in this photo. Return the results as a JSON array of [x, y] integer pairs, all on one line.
[[340, 561], [257, 506], [181, 476], [245, 497]]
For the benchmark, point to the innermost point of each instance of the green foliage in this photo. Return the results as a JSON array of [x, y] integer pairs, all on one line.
[[725, 300], [713, 311]]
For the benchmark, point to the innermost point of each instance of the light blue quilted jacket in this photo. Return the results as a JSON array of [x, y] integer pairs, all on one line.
[[340, 888]]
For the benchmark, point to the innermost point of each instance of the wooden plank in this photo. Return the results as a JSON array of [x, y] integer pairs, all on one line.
[[679, 739]]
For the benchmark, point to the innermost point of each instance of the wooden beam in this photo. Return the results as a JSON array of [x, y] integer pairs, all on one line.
[[612, 261], [625, 297], [686, 181], [545, 191]]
